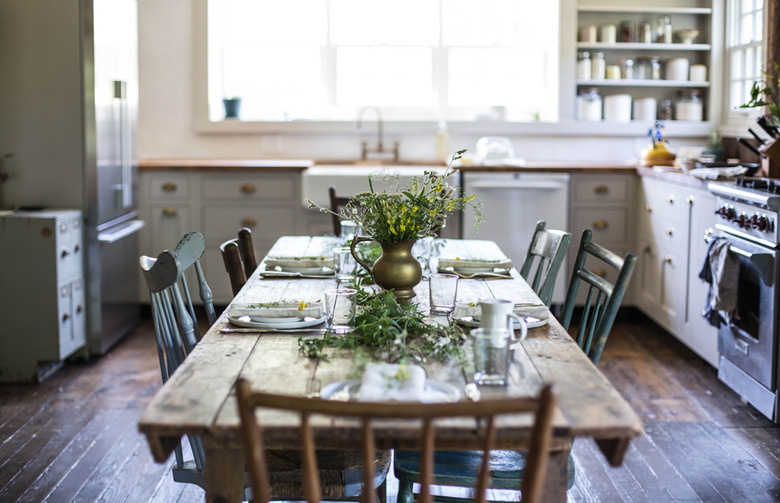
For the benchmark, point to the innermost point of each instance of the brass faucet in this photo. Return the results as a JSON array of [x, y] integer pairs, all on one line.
[[380, 148]]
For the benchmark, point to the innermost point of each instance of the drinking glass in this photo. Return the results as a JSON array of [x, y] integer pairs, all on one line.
[[443, 288], [346, 265], [491, 356], [340, 307]]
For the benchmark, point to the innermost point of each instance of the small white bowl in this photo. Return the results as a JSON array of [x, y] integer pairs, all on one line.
[[687, 36]]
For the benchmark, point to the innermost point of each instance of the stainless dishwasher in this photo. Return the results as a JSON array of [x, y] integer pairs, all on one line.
[[512, 204]]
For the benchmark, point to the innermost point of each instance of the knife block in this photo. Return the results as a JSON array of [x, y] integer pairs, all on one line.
[[770, 165]]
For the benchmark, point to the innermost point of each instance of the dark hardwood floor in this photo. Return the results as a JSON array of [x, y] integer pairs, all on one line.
[[74, 437]]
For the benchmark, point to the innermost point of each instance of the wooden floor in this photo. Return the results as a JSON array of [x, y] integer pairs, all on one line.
[[74, 437]]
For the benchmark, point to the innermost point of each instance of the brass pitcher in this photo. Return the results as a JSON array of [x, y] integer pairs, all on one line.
[[395, 270]]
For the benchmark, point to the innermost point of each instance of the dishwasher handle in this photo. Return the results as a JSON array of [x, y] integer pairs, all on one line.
[[517, 184]]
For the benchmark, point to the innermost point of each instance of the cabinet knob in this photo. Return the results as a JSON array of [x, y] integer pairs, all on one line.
[[170, 212], [248, 188], [600, 272], [65, 316], [668, 259], [79, 309], [669, 231], [689, 200], [600, 224], [601, 189], [648, 249], [649, 208], [670, 199], [169, 187], [64, 253], [248, 222], [77, 248]]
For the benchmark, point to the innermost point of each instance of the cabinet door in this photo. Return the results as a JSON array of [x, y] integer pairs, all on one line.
[[76, 335], [661, 283], [697, 333], [169, 223]]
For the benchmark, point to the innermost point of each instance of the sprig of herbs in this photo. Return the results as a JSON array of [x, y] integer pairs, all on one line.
[[391, 332], [766, 93]]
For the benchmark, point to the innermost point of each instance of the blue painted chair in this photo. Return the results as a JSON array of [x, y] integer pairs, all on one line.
[[543, 261], [426, 415], [603, 298]]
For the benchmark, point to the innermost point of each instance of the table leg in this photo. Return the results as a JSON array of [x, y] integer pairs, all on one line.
[[224, 474], [557, 479]]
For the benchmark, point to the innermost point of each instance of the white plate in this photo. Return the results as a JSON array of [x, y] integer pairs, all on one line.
[[279, 325], [312, 271], [530, 321], [435, 391]]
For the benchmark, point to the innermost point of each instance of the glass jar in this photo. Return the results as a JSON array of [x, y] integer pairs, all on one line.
[[627, 68], [648, 68], [664, 30], [626, 31], [689, 106], [584, 66], [598, 67], [589, 105], [645, 33], [665, 113]]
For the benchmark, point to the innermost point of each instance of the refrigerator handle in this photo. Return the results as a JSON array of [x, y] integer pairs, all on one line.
[[125, 195]]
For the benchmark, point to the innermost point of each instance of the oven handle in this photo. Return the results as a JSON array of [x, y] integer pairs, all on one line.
[[763, 262]]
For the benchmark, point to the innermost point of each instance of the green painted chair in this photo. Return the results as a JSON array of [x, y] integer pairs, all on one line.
[[239, 258], [545, 256], [603, 298]]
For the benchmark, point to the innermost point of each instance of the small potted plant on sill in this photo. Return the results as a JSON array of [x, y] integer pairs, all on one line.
[[715, 146], [766, 93], [232, 107]]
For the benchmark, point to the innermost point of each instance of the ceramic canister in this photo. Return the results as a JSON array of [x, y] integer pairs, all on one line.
[[608, 33], [677, 69], [645, 109], [617, 108], [698, 73]]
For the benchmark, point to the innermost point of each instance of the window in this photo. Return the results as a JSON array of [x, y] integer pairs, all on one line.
[[744, 45], [321, 60]]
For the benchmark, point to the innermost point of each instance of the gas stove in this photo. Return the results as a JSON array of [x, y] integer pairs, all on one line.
[[749, 208]]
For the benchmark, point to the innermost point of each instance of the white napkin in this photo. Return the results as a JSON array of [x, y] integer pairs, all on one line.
[[300, 262], [472, 309], [717, 173], [465, 264], [281, 309], [386, 381]]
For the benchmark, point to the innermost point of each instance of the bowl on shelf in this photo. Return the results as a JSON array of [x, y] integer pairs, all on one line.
[[687, 36]]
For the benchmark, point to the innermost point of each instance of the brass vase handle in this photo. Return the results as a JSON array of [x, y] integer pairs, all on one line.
[[360, 261]]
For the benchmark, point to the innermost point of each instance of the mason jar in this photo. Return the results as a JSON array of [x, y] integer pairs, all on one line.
[[589, 105]]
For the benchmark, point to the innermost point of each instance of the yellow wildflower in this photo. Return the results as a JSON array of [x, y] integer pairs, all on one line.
[[301, 305]]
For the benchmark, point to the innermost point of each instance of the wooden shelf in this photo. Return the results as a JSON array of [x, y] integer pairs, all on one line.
[[635, 46], [645, 10], [642, 83]]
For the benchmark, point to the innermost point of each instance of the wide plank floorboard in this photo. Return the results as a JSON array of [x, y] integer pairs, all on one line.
[[74, 437]]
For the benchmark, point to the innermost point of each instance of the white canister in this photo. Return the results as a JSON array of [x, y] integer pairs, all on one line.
[[645, 109], [607, 33], [677, 69], [589, 105], [588, 33], [617, 108], [689, 106], [698, 73]]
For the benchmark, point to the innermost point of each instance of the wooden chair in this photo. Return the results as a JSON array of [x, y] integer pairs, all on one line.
[[366, 412], [336, 203], [545, 256], [240, 259], [176, 326], [603, 299]]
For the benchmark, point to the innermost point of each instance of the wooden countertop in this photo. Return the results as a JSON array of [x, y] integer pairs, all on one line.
[[224, 164], [673, 176]]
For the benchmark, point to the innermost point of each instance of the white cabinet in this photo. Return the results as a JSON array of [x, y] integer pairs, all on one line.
[[218, 204], [603, 203], [671, 250], [626, 19], [42, 293]]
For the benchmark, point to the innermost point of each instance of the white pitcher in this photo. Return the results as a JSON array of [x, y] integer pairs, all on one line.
[[498, 314]]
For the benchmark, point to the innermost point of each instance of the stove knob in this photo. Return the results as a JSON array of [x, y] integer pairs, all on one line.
[[760, 222], [741, 220]]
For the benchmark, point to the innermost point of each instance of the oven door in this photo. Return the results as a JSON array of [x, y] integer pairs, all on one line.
[[749, 340]]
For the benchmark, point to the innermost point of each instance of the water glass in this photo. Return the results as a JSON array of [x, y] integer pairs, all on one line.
[[443, 288], [340, 307], [346, 266], [491, 356], [349, 230]]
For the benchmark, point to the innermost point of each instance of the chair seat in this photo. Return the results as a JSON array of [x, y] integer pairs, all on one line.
[[459, 468]]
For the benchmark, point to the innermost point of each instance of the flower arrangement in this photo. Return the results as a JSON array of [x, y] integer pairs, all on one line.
[[766, 93], [407, 214]]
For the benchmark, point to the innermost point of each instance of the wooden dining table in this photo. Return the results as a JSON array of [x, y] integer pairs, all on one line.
[[199, 399]]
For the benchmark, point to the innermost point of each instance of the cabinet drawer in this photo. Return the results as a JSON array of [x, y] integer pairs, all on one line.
[[608, 225], [593, 189], [244, 188], [223, 223], [659, 198], [170, 186]]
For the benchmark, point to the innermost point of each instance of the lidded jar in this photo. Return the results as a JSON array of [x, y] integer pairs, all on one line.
[[689, 106], [584, 70], [589, 105]]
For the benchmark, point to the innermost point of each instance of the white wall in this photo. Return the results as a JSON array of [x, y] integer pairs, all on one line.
[[166, 130]]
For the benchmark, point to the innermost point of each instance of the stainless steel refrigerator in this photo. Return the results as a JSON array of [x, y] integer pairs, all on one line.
[[68, 108]]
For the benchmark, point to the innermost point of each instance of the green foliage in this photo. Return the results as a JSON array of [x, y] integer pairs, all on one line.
[[766, 93], [391, 332], [410, 213]]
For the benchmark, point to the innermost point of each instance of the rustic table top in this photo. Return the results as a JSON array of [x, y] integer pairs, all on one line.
[[199, 397]]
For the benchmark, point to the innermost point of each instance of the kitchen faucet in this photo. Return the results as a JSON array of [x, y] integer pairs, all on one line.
[[380, 149]]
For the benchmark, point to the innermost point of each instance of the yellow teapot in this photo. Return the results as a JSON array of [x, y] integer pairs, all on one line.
[[657, 152]]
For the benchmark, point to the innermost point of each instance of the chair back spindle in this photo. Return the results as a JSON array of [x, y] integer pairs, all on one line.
[[544, 259]]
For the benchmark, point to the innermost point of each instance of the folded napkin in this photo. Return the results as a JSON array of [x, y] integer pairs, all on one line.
[[386, 381], [469, 263], [301, 262], [472, 309], [718, 173], [282, 309]]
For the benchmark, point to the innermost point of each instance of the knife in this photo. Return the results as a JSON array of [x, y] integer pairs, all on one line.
[[751, 147], [760, 140], [771, 130]]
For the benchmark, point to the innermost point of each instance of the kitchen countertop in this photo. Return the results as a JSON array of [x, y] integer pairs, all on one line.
[[224, 164], [673, 176]]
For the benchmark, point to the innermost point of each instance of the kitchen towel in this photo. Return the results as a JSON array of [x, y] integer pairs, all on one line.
[[721, 271]]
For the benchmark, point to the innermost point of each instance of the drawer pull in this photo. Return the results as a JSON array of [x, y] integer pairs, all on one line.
[[670, 199], [64, 253], [77, 248], [600, 272], [169, 187], [649, 208], [669, 231], [601, 189], [79, 309], [249, 188], [65, 316], [600, 224], [248, 222], [648, 249], [668, 259], [170, 212]]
